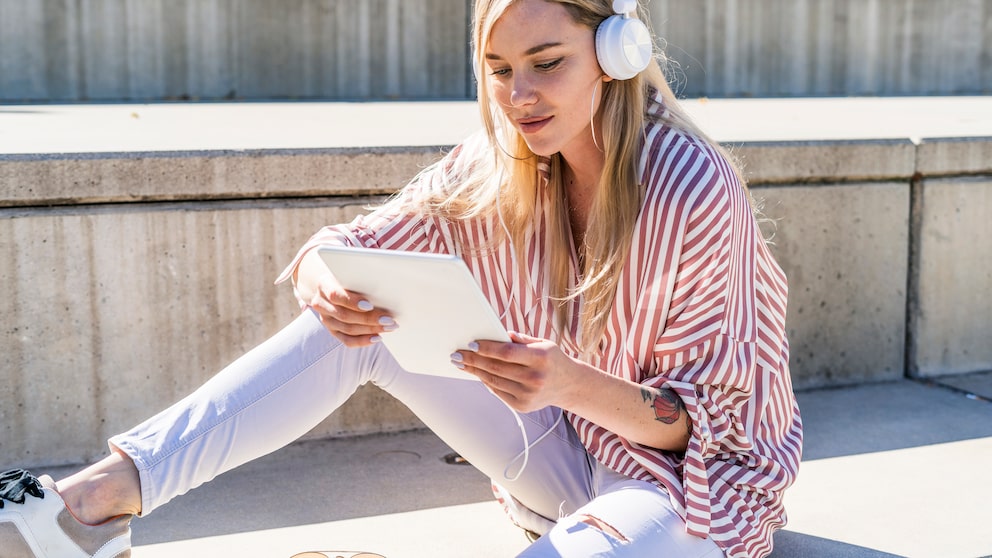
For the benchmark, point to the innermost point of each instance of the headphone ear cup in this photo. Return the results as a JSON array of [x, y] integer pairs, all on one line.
[[623, 46]]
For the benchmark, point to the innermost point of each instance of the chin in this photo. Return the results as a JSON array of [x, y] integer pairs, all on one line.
[[541, 150]]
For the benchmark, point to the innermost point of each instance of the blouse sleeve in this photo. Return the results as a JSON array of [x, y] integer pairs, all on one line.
[[706, 350], [386, 228]]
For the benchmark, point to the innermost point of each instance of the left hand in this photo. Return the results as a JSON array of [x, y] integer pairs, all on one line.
[[528, 373]]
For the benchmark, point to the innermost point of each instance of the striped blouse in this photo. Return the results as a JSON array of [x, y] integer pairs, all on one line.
[[699, 309]]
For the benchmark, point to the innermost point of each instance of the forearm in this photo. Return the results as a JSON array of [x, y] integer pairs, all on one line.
[[648, 416]]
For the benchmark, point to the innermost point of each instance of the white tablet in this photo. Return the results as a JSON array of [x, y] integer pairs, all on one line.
[[433, 297]]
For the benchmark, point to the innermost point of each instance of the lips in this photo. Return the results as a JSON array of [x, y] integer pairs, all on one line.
[[533, 124]]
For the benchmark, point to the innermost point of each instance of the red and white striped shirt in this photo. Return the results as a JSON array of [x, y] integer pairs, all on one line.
[[699, 309]]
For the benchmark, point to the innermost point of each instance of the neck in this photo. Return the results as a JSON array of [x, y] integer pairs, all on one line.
[[582, 173]]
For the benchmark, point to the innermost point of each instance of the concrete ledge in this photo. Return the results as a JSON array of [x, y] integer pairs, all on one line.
[[791, 162], [211, 175], [942, 156]]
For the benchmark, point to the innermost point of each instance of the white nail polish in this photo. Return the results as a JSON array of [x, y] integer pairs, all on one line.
[[365, 305]]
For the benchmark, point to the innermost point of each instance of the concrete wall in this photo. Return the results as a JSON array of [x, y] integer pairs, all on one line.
[[66, 50], [115, 308], [950, 304], [952, 308], [828, 47]]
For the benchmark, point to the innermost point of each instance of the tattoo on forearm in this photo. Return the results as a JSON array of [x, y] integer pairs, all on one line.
[[666, 403]]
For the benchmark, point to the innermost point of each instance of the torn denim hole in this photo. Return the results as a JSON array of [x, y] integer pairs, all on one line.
[[603, 527]]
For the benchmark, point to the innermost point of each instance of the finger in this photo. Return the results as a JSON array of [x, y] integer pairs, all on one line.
[[495, 382], [355, 341], [491, 371], [350, 334], [329, 288], [503, 388], [348, 299], [346, 311], [497, 350], [347, 328], [523, 338], [508, 397]]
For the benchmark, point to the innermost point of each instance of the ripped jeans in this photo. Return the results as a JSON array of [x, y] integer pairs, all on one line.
[[283, 388]]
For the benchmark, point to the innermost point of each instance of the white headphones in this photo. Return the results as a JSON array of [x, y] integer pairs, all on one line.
[[623, 43]]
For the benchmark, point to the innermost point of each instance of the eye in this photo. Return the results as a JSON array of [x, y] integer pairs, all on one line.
[[500, 72], [549, 65]]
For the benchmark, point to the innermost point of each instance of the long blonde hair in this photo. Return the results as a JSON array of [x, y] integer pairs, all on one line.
[[506, 185]]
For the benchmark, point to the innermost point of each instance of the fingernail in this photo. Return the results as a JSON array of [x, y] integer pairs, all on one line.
[[458, 365], [375, 339], [456, 357], [386, 321], [473, 346], [365, 305]]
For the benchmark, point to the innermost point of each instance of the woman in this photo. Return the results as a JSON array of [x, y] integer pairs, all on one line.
[[619, 247]]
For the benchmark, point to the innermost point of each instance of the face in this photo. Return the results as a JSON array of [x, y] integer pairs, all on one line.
[[543, 73]]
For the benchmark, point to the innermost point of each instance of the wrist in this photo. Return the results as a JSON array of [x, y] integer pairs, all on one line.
[[580, 385]]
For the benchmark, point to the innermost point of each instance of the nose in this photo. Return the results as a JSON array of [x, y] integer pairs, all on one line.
[[522, 92]]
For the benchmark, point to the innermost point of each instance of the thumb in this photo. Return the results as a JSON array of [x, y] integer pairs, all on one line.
[[522, 338]]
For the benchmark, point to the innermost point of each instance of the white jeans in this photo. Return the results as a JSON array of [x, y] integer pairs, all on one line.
[[287, 385]]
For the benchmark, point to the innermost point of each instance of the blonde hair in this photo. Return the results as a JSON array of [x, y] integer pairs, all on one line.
[[506, 185]]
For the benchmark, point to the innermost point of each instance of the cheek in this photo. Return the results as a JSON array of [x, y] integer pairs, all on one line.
[[499, 92]]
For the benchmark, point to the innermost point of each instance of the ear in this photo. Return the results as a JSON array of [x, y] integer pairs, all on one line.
[[606, 78]]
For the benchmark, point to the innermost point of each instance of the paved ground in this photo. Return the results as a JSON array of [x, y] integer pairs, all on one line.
[[891, 469]]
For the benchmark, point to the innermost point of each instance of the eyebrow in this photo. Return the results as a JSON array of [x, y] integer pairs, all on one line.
[[529, 52]]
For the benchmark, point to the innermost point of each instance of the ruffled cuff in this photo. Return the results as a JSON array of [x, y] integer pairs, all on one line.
[[695, 478]]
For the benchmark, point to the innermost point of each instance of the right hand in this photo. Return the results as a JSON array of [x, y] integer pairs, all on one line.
[[348, 315]]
